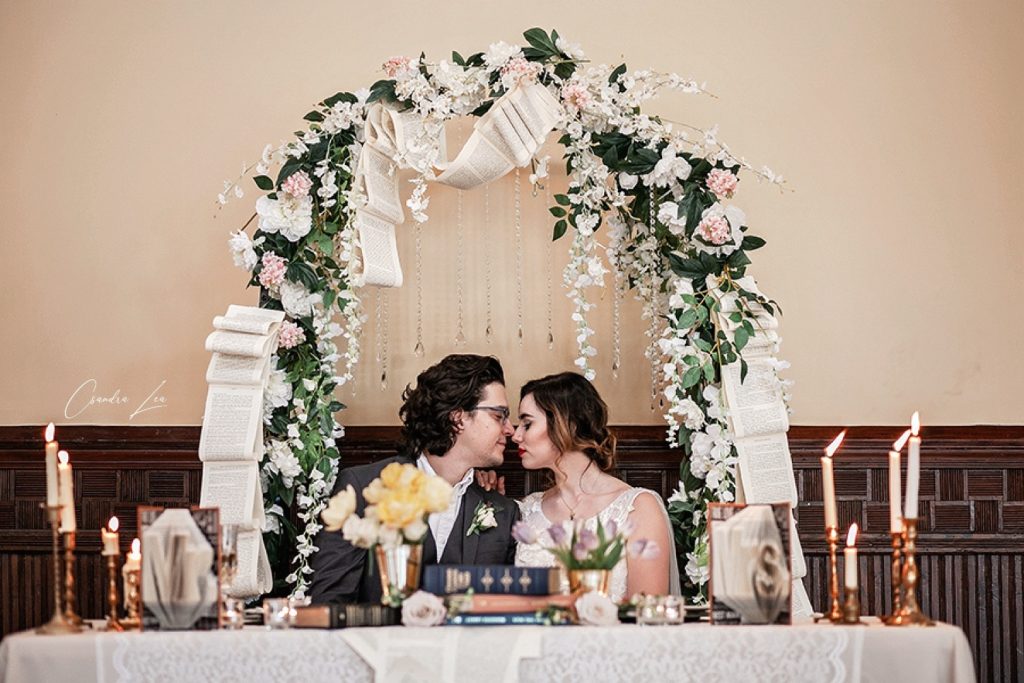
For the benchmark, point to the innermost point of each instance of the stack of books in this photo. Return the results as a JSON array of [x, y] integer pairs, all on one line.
[[497, 595]]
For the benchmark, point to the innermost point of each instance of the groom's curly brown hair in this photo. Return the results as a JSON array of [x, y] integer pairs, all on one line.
[[456, 383]]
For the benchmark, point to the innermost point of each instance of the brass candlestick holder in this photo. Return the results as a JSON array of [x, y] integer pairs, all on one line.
[[851, 606], [835, 614], [57, 623], [897, 578], [112, 623], [132, 599], [910, 614], [70, 599]]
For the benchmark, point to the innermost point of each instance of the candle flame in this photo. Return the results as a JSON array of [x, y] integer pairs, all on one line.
[[851, 538], [136, 546], [834, 446], [915, 423], [900, 442], [113, 524], [49, 432], [63, 457]]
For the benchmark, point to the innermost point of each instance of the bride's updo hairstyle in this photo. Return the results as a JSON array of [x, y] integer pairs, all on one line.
[[577, 416]]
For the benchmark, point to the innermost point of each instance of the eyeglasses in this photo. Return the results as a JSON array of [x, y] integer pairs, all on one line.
[[501, 412]]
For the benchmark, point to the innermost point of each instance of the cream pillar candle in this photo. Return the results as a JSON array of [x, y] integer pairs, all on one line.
[[52, 485], [66, 493], [850, 559], [133, 560], [896, 486], [913, 469], [828, 482], [111, 539]]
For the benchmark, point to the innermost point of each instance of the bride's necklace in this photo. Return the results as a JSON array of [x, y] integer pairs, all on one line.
[[570, 508]]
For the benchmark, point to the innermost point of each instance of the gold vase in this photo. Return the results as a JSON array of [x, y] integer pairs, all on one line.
[[587, 580], [399, 569]]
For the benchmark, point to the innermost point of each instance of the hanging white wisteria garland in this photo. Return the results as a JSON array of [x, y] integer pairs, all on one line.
[[661, 189]]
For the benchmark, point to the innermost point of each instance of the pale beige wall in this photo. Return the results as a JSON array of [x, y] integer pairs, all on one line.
[[897, 257]]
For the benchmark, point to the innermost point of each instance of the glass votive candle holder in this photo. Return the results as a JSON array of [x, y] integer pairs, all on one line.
[[657, 610], [278, 613]]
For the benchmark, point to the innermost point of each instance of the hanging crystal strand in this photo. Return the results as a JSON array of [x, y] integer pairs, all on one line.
[[549, 258], [419, 351], [519, 256], [489, 332], [384, 343], [378, 326], [616, 326], [460, 265]]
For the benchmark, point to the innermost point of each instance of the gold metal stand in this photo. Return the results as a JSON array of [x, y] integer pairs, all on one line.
[[70, 600], [897, 578], [851, 606], [835, 614], [131, 600], [112, 623], [910, 614], [57, 625]]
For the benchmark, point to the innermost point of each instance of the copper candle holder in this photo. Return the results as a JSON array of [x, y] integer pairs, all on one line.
[[112, 622], [835, 614], [897, 578], [851, 606], [132, 599], [57, 625], [70, 599], [909, 613]]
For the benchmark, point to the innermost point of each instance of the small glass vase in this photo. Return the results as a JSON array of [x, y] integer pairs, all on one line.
[[587, 580], [399, 571]]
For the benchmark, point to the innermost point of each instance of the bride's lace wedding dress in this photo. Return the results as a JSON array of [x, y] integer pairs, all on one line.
[[536, 555]]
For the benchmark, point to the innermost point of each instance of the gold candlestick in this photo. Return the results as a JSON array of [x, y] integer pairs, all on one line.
[[57, 623], [910, 614], [835, 614], [897, 578], [851, 606], [131, 599], [112, 623], [70, 599]]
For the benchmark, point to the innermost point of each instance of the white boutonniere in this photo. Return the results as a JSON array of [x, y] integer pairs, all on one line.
[[483, 519]]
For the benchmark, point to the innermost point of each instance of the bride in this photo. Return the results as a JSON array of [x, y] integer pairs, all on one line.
[[563, 427]]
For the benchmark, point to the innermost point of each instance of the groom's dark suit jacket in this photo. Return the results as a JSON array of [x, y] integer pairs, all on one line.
[[341, 572]]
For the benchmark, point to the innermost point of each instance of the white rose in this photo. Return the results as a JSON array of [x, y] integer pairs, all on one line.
[[595, 609], [360, 532], [415, 530], [341, 505], [242, 252], [627, 181], [296, 299], [423, 609], [487, 520]]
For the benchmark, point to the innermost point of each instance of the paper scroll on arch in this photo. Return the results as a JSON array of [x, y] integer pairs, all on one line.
[[505, 137]]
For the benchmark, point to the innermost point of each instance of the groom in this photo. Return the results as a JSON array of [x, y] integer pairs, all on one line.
[[456, 419]]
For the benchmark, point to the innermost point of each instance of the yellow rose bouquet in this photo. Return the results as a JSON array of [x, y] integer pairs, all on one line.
[[398, 502]]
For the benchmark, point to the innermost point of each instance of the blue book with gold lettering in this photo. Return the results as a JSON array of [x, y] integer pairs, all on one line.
[[449, 579], [500, 619]]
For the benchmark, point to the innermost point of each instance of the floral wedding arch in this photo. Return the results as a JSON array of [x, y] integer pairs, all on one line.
[[660, 189]]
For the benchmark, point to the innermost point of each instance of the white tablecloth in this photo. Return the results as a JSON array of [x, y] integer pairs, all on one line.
[[694, 652]]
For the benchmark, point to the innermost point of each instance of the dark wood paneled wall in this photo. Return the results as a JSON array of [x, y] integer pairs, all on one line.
[[971, 540]]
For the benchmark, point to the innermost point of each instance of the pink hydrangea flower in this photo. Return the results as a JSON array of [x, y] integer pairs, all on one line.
[[272, 273], [297, 184], [722, 183], [519, 69], [576, 95], [396, 65], [715, 230], [290, 336]]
